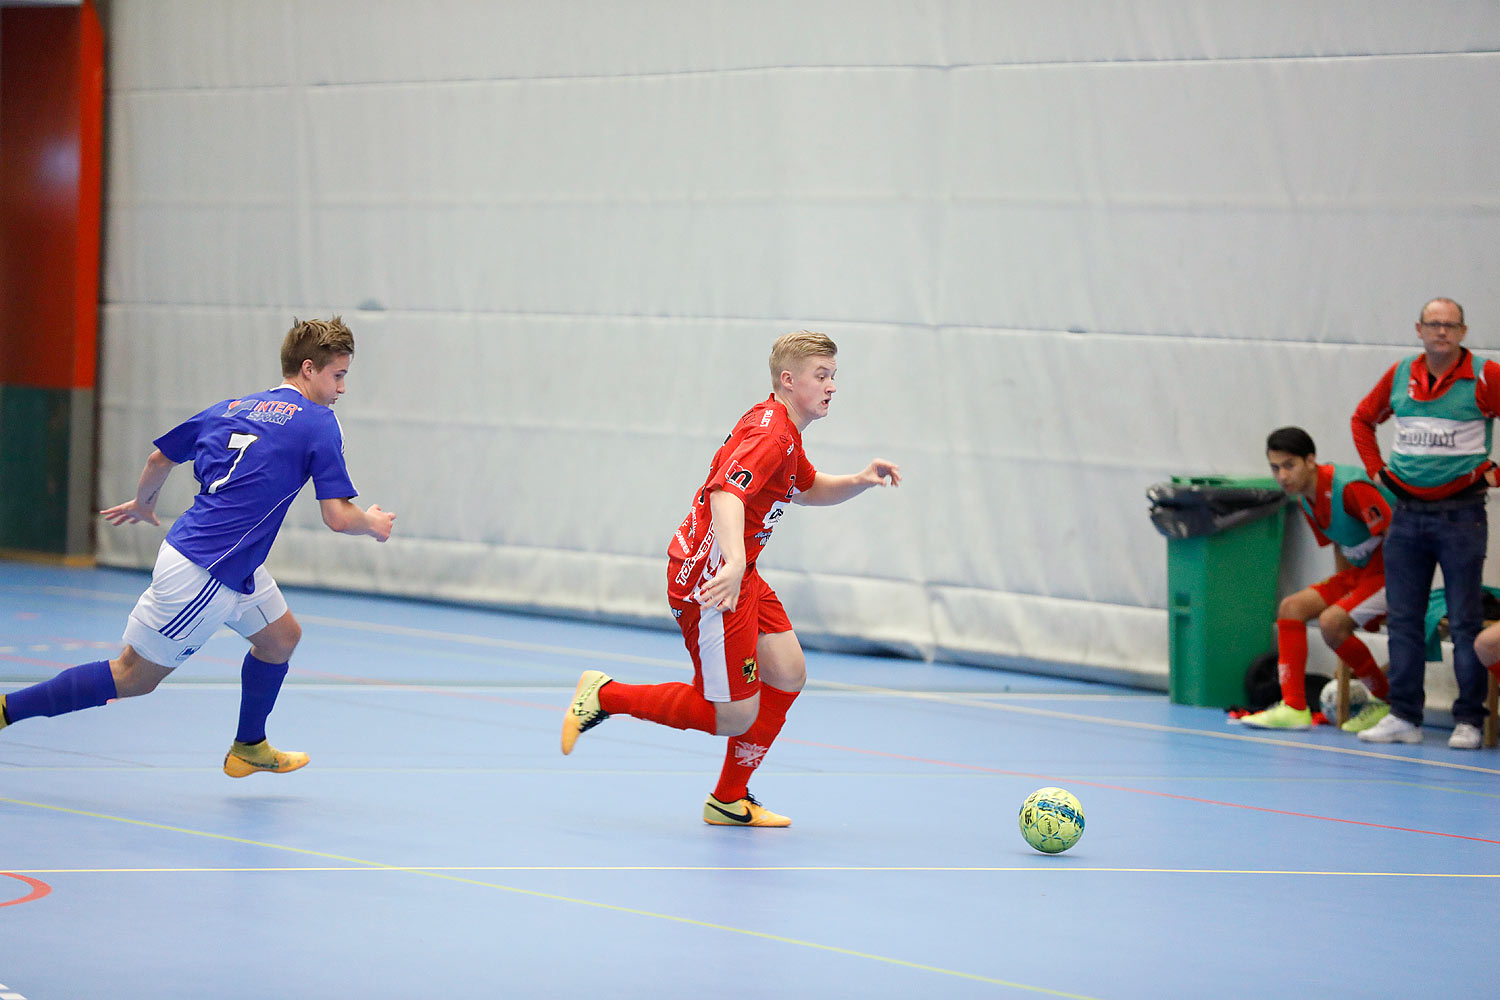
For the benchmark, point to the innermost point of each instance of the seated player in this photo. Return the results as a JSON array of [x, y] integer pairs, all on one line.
[[1487, 648], [251, 456], [1343, 507]]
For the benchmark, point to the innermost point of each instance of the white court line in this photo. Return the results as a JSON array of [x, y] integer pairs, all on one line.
[[55, 591], [975, 701]]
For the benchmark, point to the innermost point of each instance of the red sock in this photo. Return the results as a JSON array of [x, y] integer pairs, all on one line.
[[1355, 653], [1291, 661], [677, 705], [745, 752]]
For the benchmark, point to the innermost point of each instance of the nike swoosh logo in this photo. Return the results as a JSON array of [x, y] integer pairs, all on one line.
[[737, 817]]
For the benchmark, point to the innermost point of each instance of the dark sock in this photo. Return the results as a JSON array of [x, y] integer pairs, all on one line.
[[88, 685], [260, 683]]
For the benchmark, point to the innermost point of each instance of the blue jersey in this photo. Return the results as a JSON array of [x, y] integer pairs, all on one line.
[[252, 456]]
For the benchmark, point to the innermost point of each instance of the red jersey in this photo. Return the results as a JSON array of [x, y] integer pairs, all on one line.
[[1423, 387], [1361, 501], [762, 463]]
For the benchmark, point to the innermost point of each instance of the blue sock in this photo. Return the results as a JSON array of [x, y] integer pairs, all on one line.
[[260, 683], [88, 685]]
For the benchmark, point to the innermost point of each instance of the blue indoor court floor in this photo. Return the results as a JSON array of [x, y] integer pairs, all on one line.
[[439, 845]]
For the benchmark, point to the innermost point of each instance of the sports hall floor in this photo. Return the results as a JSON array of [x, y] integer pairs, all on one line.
[[440, 846]]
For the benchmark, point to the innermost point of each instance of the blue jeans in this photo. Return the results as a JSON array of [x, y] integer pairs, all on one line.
[[1453, 536]]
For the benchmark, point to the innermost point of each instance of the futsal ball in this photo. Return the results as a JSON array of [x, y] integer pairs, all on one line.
[[1328, 698], [1051, 820]]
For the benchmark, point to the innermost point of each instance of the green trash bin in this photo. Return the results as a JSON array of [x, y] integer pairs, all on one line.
[[1223, 559]]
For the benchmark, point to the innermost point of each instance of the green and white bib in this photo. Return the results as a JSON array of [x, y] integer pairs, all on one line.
[[1438, 440]]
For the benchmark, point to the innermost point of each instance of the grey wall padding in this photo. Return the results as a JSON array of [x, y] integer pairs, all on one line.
[[1067, 250]]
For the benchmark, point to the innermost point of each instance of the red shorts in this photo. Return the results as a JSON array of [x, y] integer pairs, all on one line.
[[1359, 591], [722, 644]]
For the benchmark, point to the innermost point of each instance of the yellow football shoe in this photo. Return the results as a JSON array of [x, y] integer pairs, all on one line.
[[741, 812], [245, 759]]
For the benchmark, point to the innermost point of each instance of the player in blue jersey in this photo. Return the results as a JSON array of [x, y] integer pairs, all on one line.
[[251, 456]]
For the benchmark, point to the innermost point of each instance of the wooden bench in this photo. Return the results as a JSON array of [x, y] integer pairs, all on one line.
[[1490, 701]]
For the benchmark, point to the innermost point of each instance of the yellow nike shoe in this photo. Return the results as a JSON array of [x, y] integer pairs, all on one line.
[[741, 812]]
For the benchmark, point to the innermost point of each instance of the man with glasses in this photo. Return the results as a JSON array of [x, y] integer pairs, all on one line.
[[1444, 401]]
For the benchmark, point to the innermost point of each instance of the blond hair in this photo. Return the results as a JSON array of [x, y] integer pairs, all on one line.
[[315, 340], [794, 347]]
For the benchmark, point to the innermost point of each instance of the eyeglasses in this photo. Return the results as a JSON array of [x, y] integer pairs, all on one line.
[[1441, 326]]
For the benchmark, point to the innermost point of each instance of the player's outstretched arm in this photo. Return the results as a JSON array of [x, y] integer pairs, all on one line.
[[827, 490], [143, 507], [345, 517]]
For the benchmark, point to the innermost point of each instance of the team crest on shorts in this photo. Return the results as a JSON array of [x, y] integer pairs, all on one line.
[[748, 669]]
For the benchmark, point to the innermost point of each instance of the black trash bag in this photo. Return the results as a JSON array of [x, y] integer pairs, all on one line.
[[1263, 686], [1188, 510]]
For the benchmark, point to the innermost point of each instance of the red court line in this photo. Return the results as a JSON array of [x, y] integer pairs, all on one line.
[[354, 679], [34, 662], [38, 889], [1141, 791]]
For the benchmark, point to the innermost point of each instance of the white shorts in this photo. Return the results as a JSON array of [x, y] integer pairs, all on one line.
[[184, 606]]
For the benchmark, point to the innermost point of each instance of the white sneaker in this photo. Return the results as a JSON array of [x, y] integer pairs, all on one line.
[[1465, 737], [1392, 729]]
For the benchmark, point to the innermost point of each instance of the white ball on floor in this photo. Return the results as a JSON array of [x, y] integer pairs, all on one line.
[[1328, 698]]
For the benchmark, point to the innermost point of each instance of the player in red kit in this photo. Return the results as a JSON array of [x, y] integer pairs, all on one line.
[[748, 666]]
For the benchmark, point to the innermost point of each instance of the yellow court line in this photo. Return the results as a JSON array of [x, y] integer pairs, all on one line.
[[872, 869], [535, 894]]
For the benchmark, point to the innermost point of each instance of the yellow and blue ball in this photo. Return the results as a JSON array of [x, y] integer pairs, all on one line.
[[1051, 820]]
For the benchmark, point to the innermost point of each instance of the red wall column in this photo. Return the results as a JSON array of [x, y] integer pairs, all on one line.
[[51, 132]]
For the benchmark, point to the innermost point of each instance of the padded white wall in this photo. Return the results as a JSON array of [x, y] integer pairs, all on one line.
[[1067, 249]]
